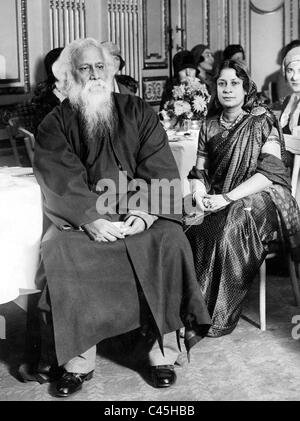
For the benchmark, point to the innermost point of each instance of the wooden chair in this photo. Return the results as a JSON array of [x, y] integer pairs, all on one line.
[[18, 130], [292, 145], [5, 134]]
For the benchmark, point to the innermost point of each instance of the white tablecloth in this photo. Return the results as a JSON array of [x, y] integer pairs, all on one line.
[[184, 149], [21, 221]]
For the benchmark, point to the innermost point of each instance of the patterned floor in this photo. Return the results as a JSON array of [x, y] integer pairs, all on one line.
[[248, 365]]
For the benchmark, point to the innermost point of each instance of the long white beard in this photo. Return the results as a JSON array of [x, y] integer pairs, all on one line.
[[95, 104]]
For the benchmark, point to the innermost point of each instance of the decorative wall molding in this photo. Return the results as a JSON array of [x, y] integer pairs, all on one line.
[[260, 11], [183, 23], [67, 21], [206, 21], [218, 24], [291, 20], [268, 25], [153, 88], [125, 29], [233, 22], [17, 80], [25, 45], [155, 54], [244, 23]]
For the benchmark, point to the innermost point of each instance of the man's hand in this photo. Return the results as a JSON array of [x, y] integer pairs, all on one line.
[[133, 225], [102, 230]]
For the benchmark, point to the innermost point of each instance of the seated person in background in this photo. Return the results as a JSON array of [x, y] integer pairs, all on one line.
[[204, 61], [128, 82], [104, 279], [240, 182], [290, 116], [234, 52], [123, 84], [185, 97], [183, 66], [47, 95]]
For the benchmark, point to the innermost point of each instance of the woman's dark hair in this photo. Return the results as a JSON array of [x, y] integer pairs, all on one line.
[[184, 59], [248, 84], [129, 82], [49, 60], [289, 47], [231, 50]]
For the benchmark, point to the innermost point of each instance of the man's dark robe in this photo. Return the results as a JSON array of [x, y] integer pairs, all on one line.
[[93, 287]]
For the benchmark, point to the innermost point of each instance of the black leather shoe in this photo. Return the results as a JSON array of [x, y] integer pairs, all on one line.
[[41, 374], [70, 383], [163, 375]]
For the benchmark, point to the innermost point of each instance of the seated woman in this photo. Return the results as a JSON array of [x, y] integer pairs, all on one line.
[[46, 95], [184, 66], [204, 61], [241, 183], [290, 116], [234, 52]]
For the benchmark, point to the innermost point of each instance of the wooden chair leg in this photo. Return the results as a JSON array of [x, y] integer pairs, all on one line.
[[262, 296], [29, 149], [294, 280], [15, 150]]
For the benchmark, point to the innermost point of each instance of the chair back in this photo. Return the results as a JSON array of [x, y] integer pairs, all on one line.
[[18, 128]]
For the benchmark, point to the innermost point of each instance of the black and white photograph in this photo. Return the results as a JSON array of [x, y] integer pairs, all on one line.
[[150, 203]]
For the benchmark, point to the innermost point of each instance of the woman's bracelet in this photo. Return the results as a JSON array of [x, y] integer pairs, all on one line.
[[227, 198], [194, 194]]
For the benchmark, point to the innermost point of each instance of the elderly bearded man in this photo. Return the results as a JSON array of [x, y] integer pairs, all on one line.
[[104, 279]]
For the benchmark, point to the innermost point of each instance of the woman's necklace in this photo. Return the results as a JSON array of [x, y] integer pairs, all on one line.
[[228, 125]]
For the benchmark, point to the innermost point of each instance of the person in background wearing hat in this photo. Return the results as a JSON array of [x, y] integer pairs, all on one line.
[[123, 84], [47, 95], [204, 61], [184, 66], [234, 52], [290, 116], [47, 91]]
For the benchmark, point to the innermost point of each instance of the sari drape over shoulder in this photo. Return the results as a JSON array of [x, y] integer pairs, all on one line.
[[230, 245]]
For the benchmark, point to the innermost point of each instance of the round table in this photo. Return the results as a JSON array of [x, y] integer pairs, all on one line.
[[21, 224]]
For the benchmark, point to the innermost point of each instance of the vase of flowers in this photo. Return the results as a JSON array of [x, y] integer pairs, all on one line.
[[189, 102]]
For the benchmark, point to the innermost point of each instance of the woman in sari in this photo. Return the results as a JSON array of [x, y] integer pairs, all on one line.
[[241, 183]]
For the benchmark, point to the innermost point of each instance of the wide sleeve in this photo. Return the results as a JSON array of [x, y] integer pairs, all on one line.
[[159, 189], [68, 200]]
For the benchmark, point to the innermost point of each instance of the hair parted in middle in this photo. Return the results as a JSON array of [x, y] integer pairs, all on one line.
[[63, 68], [231, 50], [248, 84]]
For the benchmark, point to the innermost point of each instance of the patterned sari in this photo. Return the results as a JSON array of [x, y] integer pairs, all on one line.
[[230, 245]]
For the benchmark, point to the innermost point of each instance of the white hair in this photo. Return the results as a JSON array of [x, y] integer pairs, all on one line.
[[64, 66]]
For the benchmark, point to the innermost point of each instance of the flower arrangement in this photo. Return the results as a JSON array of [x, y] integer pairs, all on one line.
[[189, 101]]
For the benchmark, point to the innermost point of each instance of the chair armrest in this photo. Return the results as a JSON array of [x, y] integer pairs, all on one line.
[[28, 134]]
